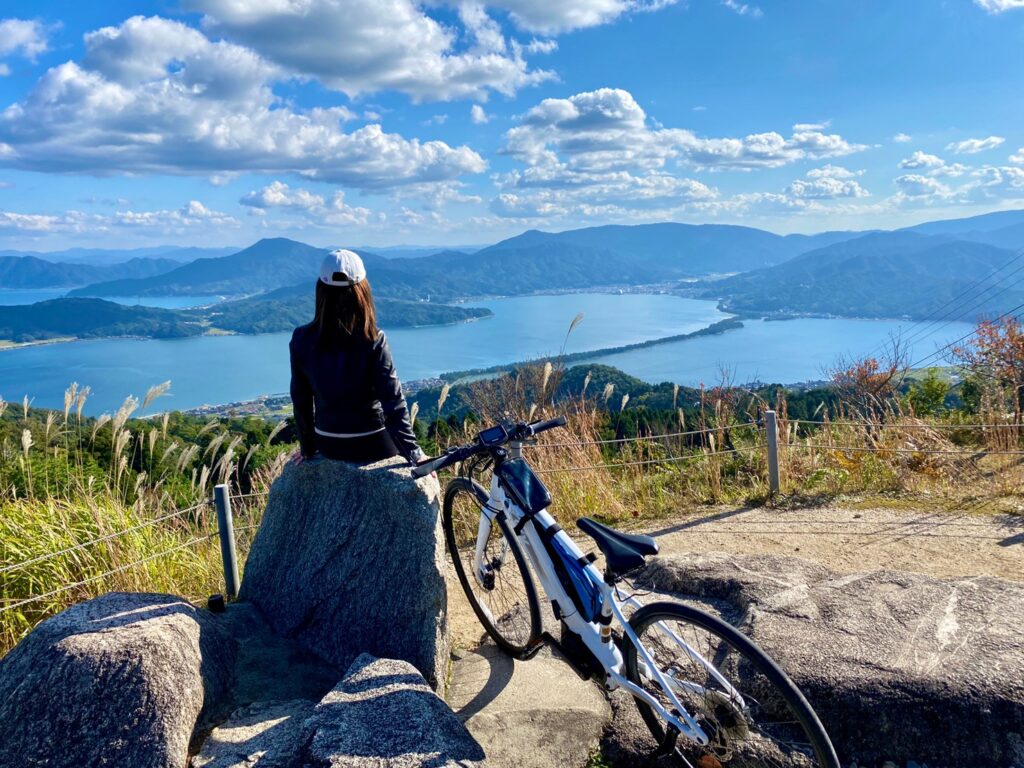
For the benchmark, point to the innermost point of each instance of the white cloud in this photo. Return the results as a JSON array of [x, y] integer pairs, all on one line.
[[607, 130], [990, 183], [23, 37], [364, 46], [155, 96], [915, 185], [973, 146], [596, 153], [743, 9], [921, 160], [190, 216], [902, 138], [541, 46], [833, 172], [478, 115], [548, 16], [4, 70], [333, 212], [827, 183], [999, 6], [1018, 157]]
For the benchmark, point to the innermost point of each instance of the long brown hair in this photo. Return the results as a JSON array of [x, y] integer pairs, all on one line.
[[345, 311]]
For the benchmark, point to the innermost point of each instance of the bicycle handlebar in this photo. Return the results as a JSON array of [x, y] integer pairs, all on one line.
[[461, 453]]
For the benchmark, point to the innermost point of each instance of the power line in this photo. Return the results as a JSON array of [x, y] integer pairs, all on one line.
[[985, 283], [963, 338]]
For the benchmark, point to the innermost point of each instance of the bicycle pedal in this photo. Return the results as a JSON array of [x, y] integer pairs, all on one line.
[[583, 670], [668, 744], [534, 649]]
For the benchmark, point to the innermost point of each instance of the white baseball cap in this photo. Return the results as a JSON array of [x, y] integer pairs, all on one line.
[[341, 264]]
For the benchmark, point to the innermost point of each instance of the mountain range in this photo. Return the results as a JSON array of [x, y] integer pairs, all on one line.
[[890, 274], [22, 272], [904, 273]]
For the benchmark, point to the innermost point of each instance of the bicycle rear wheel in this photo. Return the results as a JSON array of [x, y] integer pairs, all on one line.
[[502, 592], [773, 725]]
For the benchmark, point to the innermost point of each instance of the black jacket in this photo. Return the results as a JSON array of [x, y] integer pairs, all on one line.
[[349, 388]]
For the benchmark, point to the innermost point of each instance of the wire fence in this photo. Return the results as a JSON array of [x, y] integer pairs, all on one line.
[[646, 462], [106, 574], [773, 455], [100, 539], [198, 510]]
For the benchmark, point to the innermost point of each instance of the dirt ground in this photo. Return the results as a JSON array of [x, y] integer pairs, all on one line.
[[846, 537]]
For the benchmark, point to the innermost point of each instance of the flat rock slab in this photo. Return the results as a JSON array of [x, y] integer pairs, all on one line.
[[264, 735], [350, 560], [384, 715], [527, 714], [121, 680], [899, 666]]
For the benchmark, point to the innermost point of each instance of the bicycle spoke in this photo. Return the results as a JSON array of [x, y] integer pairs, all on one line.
[[763, 731], [500, 590]]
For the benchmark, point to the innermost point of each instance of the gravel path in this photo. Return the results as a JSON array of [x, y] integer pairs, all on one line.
[[942, 544], [845, 539]]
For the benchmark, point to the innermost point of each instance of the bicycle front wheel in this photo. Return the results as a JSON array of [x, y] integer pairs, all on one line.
[[753, 714], [500, 590]]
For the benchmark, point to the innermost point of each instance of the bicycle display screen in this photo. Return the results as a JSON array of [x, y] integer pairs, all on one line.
[[493, 436]]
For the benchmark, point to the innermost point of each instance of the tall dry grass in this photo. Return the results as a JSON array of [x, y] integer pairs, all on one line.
[[71, 528]]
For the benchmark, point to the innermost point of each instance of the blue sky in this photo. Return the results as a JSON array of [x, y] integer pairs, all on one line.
[[215, 122]]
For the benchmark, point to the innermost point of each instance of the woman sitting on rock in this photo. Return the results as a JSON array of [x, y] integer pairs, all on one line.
[[347, 397]]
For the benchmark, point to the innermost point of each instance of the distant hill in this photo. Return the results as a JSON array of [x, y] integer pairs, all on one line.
[[32, 272], [622, 256], [99, 257], [683, 250], [987, 222], [889, 274], [264, 266], [534, 261], [286, 308], [91, 318], [411, 251]]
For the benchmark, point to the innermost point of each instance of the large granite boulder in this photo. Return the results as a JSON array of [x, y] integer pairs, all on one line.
[[384, 715], [899, 666], [122, 680], [352, 559]]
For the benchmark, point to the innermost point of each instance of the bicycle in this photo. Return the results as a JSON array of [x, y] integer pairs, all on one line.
[[705, 690]]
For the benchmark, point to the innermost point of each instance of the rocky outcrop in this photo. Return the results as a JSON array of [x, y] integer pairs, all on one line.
[[899, 666], [351, 560], [381, 715], [384, 715], [533, 714], [267, 734], [121, 680]]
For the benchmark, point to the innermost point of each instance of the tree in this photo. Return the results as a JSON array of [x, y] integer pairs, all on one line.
[[868, 383], [995, 352], [928, 395]]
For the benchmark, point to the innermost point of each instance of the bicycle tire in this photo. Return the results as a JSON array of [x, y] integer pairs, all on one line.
[[807, 719], [522, 642]]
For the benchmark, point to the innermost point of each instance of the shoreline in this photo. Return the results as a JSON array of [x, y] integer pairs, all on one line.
[[718, 327]]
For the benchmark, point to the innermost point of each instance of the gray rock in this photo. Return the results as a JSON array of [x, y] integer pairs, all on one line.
[[384, 715], [270, 667], [527, 714], [351, 560], [899, 666], [121, 680], [267, 735]]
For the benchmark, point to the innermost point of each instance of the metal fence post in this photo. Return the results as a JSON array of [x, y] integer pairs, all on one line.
[[226, 529], [772, 432]]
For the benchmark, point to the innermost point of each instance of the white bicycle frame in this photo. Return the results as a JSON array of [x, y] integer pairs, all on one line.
[[612, 603]]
